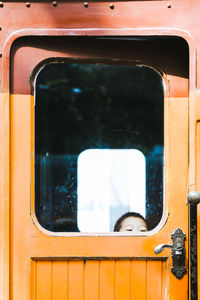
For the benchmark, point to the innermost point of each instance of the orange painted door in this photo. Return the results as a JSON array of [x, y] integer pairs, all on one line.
[[73, 266]]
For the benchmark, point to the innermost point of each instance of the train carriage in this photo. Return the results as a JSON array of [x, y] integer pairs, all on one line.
[[99, 111]]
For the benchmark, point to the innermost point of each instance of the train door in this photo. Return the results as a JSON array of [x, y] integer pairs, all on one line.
[[99, 127]]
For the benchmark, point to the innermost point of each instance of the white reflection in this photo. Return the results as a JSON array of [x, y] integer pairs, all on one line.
[[110, 183]]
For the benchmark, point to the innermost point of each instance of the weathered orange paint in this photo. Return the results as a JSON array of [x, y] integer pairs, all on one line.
[[5, 196], [29, 242]]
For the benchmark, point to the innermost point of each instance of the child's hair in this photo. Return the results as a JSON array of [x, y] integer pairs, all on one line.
[[123, 217]]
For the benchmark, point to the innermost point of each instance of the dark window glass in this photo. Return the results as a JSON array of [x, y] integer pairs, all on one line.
[[82, 108]]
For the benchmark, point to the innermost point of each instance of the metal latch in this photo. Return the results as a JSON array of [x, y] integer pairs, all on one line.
[[178, 252]]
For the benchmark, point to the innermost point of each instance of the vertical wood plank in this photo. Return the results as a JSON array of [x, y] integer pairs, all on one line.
[[123, 280], [154, 280], [33, 280], [59, 280], [91, 280], [165, 280], [107, 280], [138, 280], [75, 289], [44, 280]]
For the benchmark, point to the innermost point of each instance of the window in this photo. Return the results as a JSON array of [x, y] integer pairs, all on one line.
[[99, 140]]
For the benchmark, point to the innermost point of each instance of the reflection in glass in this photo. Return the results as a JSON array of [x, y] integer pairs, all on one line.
[[110, 183], [95, 106]]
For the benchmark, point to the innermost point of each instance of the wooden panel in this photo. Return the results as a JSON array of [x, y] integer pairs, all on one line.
[[20, 179], [5, 196], [43, 280], [98, 280], [123, 280], [107, 280], [138, 280], [154, 280], [60, 280], [91, 280], [75, 280], [165, 279], [33, 280]]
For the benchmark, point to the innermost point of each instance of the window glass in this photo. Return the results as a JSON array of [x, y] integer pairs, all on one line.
[[110, 183], [98, 146]]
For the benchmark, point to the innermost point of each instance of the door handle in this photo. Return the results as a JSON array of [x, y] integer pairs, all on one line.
[[178, 252], [158, 249]]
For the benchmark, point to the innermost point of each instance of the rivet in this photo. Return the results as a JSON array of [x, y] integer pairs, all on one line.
[[54, 3], [28, 4], [169, 5], [0, 28], [0, 54], [112, 6], [1, 4], [86, 4]]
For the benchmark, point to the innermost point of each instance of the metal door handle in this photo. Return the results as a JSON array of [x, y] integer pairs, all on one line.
[[158, 249], [178, 252]]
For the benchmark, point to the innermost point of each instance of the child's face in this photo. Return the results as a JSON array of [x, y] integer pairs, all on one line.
[[134, 224]]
